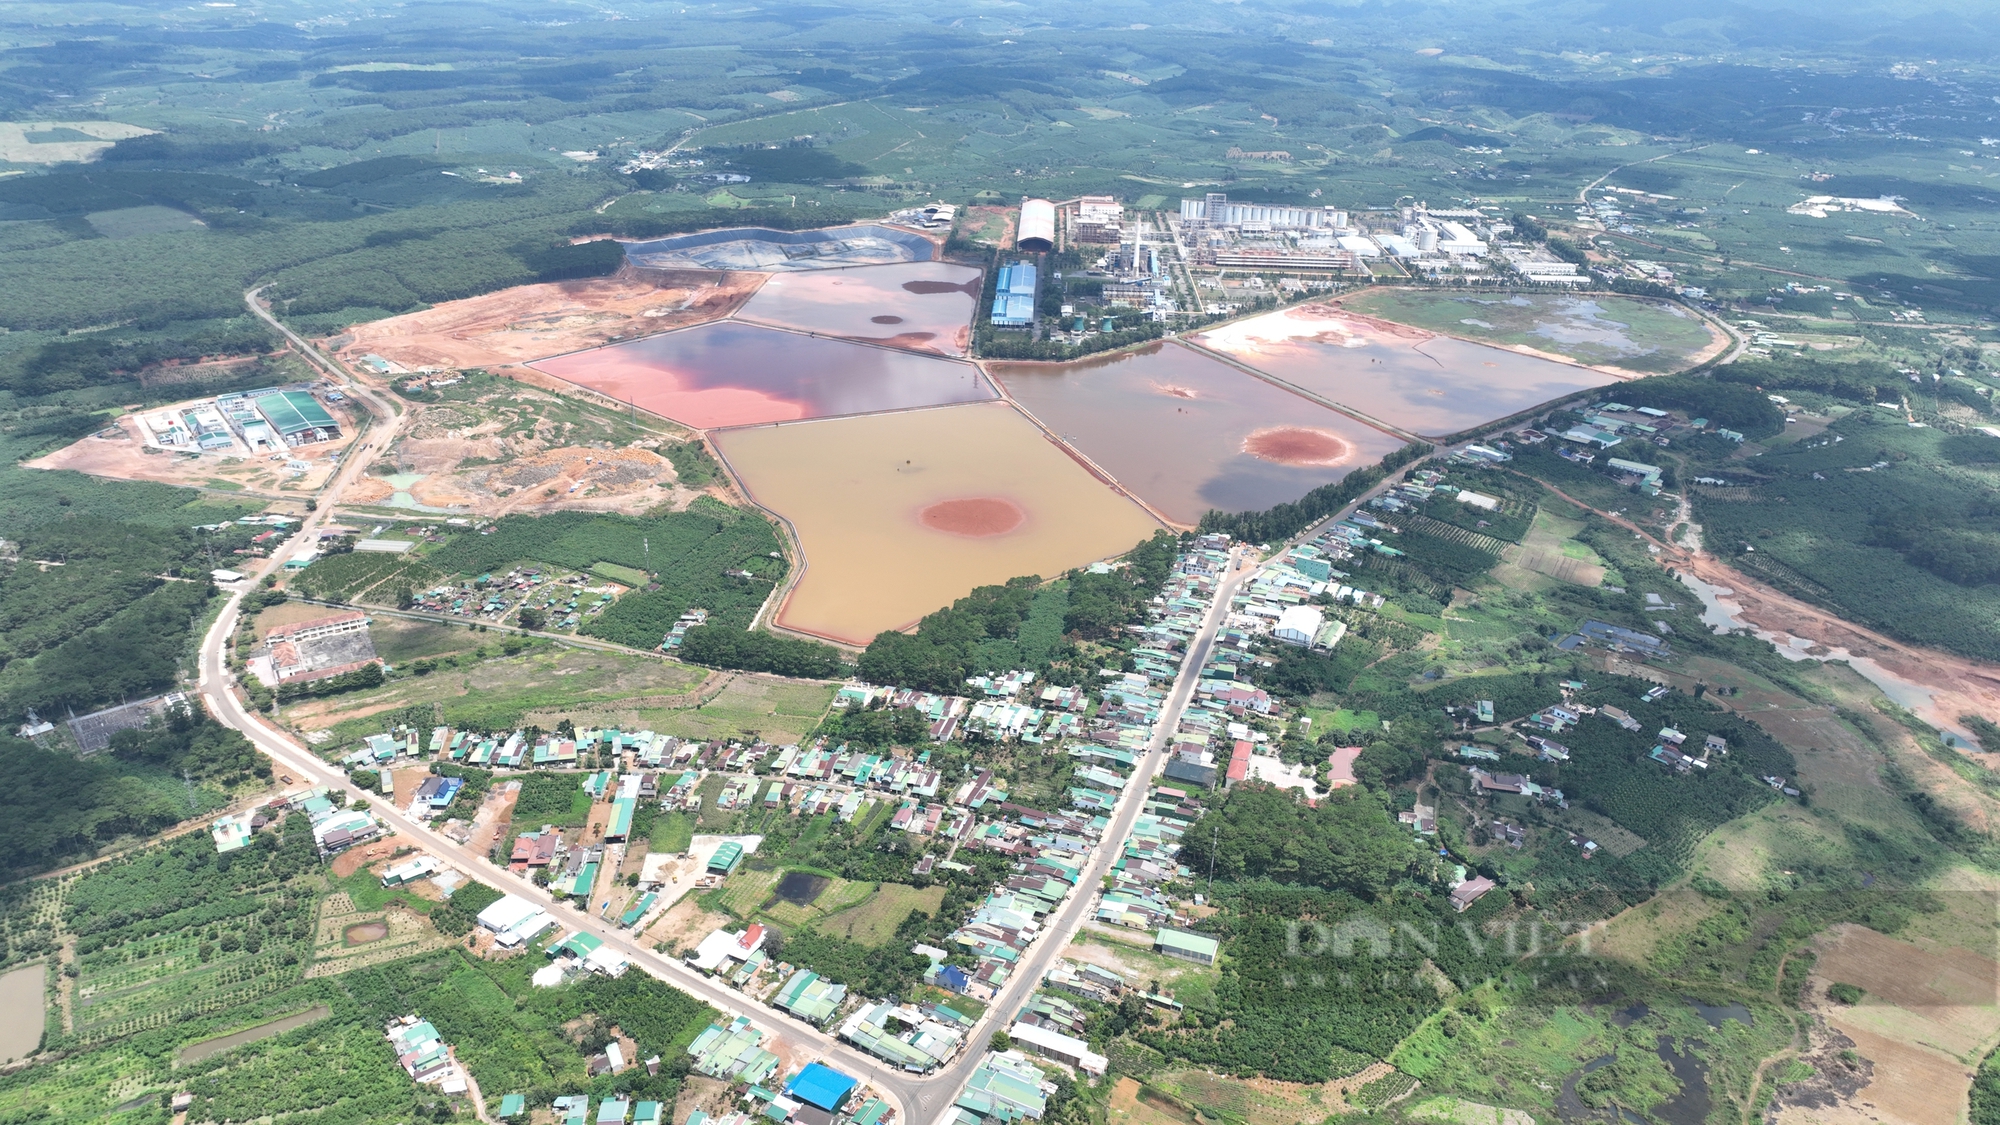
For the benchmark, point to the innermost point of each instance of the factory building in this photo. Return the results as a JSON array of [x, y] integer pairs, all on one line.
[[1014, 295], [1100, 219], [1038, 226], [1217, 211], [296, 417], [1269, 261]]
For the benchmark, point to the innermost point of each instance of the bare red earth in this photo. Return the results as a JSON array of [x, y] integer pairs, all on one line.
[[975, 517], [1298, 445]]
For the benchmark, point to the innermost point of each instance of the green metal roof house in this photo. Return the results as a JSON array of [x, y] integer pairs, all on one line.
[[1189, 947], [726, 857], [810, 998], [297, 417], [621, 818]]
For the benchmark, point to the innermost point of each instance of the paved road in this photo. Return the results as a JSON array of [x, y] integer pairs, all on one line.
[[302, 763], [918, 1098], [925, 1096], [1057, 930]]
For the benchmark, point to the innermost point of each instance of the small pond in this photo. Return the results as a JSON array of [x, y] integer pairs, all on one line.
[[800, 888]]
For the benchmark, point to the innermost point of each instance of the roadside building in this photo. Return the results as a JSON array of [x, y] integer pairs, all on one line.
[[821, 1085], [1062, 1048]]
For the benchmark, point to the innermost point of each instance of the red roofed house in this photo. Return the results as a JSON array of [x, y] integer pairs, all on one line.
[[1239, 765], [1469, 892], [1341, 775]]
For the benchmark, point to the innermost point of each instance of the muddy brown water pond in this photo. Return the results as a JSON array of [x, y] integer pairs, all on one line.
[[928, 305], [731, 374], [1426, 384], [195, 1052], [361, 933], [1187, 432], [23, 1010], [900, 514]]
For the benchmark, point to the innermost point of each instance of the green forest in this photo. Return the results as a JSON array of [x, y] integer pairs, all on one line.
[[1892, 526], [1021, 624]]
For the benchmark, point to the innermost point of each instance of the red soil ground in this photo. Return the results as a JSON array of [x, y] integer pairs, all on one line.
[[1298, 445], [975, 517]]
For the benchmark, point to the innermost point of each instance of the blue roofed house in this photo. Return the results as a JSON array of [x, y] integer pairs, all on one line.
[[821, 1085]]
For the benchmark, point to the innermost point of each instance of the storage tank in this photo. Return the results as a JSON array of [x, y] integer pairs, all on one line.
[[1038, 226]]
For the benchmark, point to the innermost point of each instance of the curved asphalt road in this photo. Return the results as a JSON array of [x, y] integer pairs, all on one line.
[[917, 1098]]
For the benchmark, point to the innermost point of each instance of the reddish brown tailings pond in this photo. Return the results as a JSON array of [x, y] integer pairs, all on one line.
[[977, 517], [931, 288], [1297, 445]]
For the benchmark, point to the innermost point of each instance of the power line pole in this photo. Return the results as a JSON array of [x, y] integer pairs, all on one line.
[[1215, 834]]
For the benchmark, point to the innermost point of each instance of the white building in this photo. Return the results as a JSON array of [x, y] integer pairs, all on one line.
[[1060, 1047], [1298, 625], [1099, 209], [506, 913], [1217, 211], [1038, 226]]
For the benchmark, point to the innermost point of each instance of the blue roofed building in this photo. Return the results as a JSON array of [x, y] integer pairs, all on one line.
[[821, 1085], [1014, 295]]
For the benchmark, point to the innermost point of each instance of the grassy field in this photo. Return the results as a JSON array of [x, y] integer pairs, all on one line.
[[626, 575], [400, 639], [672, 833], [745, 891], [545, 684], [749, 705], [874, 921]]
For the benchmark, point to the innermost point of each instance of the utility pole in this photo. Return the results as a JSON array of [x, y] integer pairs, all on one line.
[[1215, 834]]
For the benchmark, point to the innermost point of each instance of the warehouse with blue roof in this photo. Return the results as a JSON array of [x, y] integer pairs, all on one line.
[[821, 1085], [1014, 295]]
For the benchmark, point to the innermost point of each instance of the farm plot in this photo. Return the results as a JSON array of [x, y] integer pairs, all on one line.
[[347, 578], [873, 922], [178, 931], [349, 938]]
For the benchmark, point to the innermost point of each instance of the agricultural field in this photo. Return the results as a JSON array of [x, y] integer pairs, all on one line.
[[495, 691], [873, 921], [175, 932]]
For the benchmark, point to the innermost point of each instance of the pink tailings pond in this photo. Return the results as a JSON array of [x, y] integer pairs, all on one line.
[[923, 306], [1186, 432], [1406, 377], [730, 374], [901, 514]]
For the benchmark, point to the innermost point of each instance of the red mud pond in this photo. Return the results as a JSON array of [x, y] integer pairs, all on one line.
[[731, 374]]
